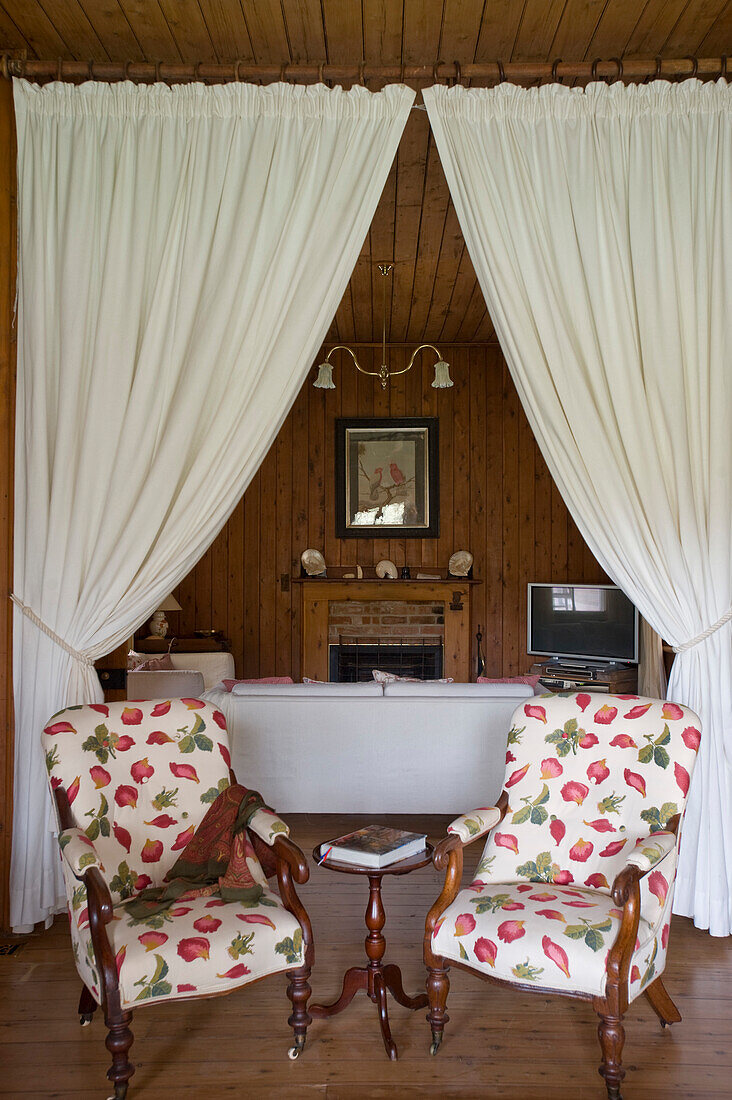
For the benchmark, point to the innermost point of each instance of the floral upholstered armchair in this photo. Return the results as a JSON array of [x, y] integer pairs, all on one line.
[[132, 783], [573, 892]]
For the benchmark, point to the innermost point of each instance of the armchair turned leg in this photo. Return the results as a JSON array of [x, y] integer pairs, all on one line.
[[612, 1036], [87, 1007], [119, 1040], [662, 1004], [438, 986], [298, 990]]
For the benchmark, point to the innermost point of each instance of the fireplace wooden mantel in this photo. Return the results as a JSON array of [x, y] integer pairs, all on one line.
[[453, 593]]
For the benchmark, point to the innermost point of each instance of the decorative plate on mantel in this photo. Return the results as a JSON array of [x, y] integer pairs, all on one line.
[[313, 562], [386, 568], [460, 563]]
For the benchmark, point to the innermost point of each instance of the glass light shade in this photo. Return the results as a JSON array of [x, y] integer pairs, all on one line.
[[442, 381], [324, 381]]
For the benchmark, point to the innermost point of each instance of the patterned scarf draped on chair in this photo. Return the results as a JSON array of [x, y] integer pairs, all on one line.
[[215, 859]]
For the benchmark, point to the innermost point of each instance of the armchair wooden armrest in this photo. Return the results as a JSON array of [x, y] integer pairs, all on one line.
[[449, 854], [291, 864], [626, 894], [285, 849], [100, 909], [99, 898]]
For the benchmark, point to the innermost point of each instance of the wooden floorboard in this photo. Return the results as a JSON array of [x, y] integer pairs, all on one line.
[[498, 1043]]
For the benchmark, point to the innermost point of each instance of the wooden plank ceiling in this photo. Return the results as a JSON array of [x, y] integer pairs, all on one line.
[[434, 294]]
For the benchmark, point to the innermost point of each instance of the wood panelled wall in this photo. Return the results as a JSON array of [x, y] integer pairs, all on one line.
[[497, 499]]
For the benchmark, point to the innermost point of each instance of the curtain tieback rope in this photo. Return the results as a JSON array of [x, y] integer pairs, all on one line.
[[78, 655], [705, 633]]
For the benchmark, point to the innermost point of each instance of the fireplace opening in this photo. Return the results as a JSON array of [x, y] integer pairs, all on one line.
[[353, 660]]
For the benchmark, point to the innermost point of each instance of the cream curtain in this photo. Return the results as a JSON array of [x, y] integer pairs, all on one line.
[[182, 253], [600, 226]]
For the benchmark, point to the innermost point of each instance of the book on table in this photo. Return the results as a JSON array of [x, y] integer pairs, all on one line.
[[374, 846]]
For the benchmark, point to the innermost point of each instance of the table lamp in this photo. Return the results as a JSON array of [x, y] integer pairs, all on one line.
[[159, 623]]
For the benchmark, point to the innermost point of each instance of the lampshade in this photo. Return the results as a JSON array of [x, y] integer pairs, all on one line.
[[170, 604], [324, 381], [442, 381]]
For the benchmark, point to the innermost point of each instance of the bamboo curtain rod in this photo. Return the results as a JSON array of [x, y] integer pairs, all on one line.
[[493, 342], [451, 72]]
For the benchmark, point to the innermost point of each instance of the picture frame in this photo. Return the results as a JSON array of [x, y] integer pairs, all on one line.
[[387, 477]]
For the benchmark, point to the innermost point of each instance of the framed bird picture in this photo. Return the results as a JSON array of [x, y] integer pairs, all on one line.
[[387, 477]]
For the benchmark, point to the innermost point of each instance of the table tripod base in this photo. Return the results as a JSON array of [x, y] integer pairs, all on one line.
[[376, 979], [380, 995], [354, 979], [375, 982]]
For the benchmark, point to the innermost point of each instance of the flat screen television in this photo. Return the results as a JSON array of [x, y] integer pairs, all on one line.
[[585, 622]]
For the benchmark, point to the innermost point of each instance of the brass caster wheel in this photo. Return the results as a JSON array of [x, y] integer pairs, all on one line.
[[664, 1023], [120, 1091], [296, 1050], [435, 1044], [86, 1018]]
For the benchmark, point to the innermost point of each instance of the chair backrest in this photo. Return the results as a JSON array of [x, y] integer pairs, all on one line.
[[140, 778], [587, 775]]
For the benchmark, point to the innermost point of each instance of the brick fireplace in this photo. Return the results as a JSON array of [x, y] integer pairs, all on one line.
[[385, 619], [417, 613], [351, 661], [400, 636]]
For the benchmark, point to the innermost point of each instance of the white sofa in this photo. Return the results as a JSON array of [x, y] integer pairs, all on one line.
[[190, 675], [364, 748], [214, 667]]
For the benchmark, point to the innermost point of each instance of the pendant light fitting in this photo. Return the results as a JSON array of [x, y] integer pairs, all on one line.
[[442, 379]]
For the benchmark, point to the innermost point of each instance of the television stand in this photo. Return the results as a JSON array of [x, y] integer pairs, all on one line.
[[611, 677]]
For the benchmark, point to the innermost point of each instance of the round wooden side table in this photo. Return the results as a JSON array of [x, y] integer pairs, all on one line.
[[375, 978]]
